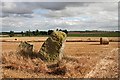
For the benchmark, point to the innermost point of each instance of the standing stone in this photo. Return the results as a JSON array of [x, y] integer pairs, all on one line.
[[25, 48], [51, 49]]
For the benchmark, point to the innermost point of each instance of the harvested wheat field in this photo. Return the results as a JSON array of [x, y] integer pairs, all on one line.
[[83, 59]]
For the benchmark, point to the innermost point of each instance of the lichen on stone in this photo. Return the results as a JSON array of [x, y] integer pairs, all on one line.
[[25, 49], [51, 48]]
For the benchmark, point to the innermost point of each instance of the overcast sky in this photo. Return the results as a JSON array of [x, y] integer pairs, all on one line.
[[22, 16]]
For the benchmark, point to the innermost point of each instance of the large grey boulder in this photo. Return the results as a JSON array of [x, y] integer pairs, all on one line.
[[51, 49]]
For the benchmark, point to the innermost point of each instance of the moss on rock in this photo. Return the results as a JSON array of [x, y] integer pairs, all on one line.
[[51, 48], [25, 49]]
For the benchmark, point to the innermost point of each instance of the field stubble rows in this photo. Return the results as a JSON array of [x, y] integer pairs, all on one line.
[[92, 58]]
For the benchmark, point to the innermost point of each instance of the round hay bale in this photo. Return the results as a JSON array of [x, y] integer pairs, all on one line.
[[104, 41]]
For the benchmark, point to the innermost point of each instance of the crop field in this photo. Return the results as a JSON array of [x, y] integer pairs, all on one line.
[[95, 34], [84, 58]]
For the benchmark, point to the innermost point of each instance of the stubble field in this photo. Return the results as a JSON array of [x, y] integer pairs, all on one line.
[[83, 59]]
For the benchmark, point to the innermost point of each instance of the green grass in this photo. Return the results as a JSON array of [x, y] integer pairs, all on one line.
[[105, 34], [112, 34]]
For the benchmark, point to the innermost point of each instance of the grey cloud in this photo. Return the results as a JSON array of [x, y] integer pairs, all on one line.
[[89, 9], [59, 5], [28, 7], [98, 15], [57, 9], [15, 8]]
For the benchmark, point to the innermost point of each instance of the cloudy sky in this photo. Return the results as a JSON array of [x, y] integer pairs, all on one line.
[[22, 16]]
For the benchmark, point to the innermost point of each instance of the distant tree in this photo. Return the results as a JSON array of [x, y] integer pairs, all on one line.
[[37, 32], [57, 29], [65, 31], [50, 31], [34, 33], [87, 30], [22, 33], [60, 30], [28, 33], [11, 34], [43, 32]]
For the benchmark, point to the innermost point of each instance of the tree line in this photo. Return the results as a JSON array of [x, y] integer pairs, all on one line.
[[33, 33]]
